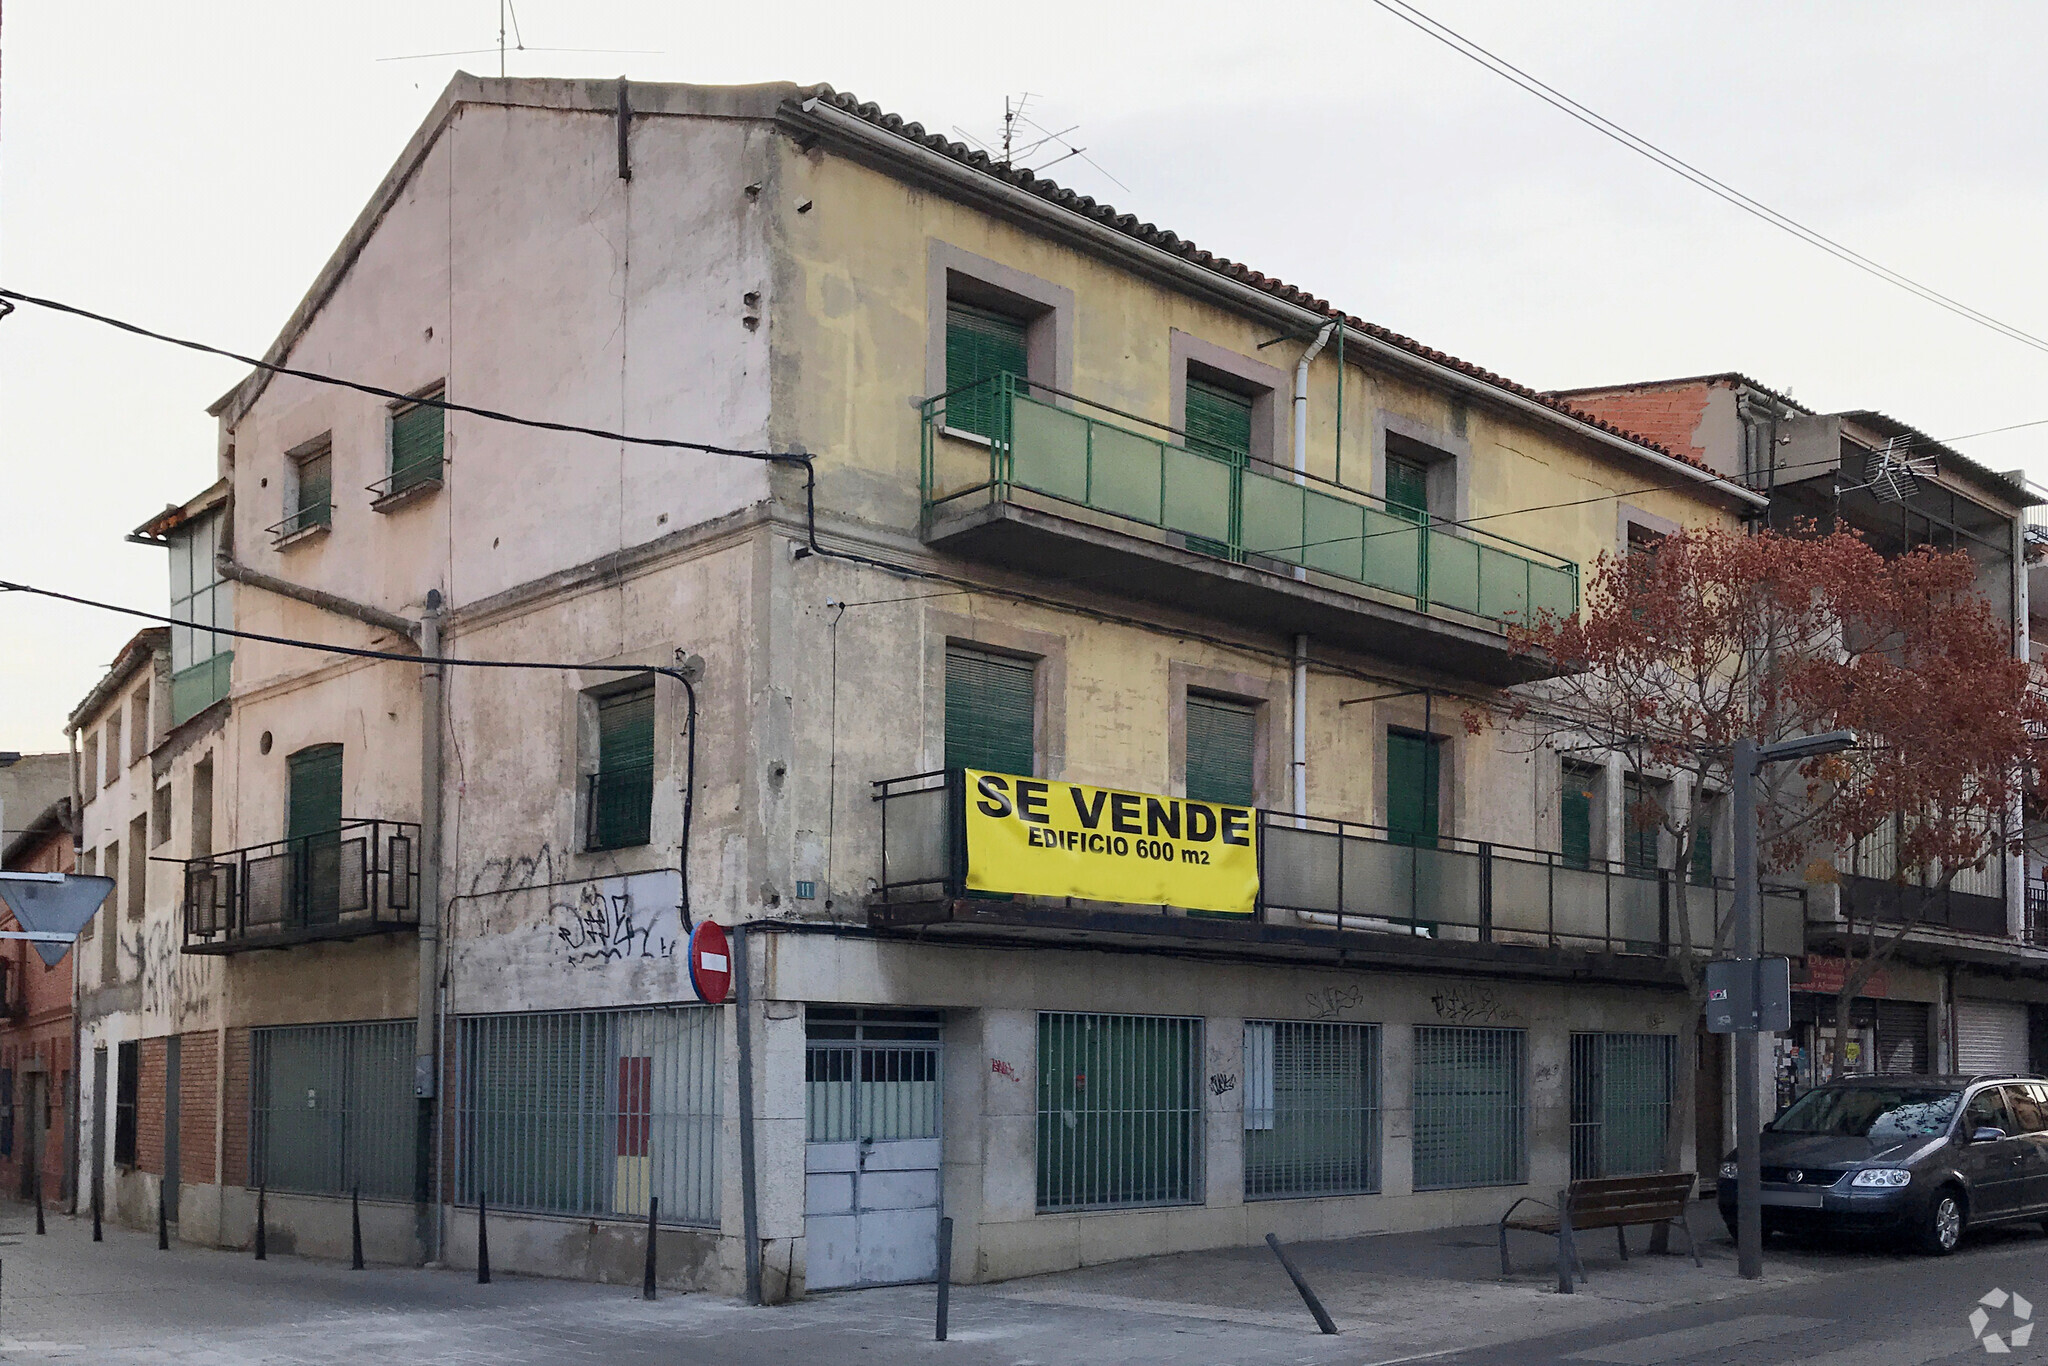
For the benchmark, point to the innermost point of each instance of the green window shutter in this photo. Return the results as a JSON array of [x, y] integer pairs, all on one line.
[[989, 706], [1703, 848], [1218, 421], [980, 345], [1407, 488], [417, 436], [622, 790], [1221, 741], [1580, 783], [1639, 842], [316, 491], [315, 791], [1413, 765]]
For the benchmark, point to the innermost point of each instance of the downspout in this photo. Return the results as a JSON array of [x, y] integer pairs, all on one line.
[[77, 1111], [424, 1079], [1298, 765]]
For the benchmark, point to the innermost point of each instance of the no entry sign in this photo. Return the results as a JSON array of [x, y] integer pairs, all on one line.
[[710, 962]]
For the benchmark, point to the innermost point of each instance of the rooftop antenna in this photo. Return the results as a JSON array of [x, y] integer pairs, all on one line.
[[1038, 138], [1896, 471], [507, 12]]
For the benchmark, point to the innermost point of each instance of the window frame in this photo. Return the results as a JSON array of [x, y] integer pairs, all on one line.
[[592, 703], [1253, 710], [399, 486], [127, 1095], [974, 650], [303, 519], [1262, 1081], [954, 275]]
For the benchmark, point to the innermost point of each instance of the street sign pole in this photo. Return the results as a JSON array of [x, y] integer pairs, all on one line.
[[1749, 1228]]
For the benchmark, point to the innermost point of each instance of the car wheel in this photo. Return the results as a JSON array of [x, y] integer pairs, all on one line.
[[1941, 1227]]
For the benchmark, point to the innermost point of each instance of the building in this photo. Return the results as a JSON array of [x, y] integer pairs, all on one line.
[[37, 1058], [1048, 493], [1967, 989]]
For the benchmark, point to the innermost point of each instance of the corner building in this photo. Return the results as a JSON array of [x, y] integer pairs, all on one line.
[[1084, 504]]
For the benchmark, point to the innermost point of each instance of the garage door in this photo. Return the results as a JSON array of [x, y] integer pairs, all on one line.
[[1991, 1036]]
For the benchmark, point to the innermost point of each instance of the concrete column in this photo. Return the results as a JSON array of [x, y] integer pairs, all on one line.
[[1550, 1113], [1009, 1166], [1397, 1108], [963, 1101], [1223, 1111], [779, 1146]]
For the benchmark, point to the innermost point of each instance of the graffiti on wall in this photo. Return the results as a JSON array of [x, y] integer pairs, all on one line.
[[1473, 1004], [174, 984], [1328, 1003], [606, 919]]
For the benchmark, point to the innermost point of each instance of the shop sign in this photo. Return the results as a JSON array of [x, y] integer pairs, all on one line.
[[1825, 974], [1035, 837]]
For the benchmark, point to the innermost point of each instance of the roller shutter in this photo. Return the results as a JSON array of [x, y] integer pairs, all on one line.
[[1902, 1038], [1991, 1036]]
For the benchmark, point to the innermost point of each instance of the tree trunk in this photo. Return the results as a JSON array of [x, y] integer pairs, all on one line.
[[1678, 1128]]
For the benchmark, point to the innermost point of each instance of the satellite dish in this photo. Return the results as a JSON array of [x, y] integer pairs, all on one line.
[[1896, 471]]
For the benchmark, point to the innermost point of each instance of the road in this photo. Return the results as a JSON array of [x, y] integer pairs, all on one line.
[[64, 1298]]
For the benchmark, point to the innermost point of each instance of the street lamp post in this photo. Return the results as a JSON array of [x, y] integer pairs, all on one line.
[[1749, 759]]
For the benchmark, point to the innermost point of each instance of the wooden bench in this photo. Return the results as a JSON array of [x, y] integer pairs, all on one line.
[[1615, 1202]]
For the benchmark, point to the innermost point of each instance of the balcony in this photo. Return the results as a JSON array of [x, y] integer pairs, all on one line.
[[1075, 491], [1348, 891], [360, 879]]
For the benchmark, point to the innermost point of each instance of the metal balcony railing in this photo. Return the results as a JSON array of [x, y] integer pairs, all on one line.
[[359, 879], [1034, 440], [1351, 877], [2037, 913], [307, 518]]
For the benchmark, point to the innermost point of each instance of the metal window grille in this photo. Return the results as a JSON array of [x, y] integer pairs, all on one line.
[[332, 1109], [870, 1074], [1119, 1111], [590, 1112], [1471, 1107], [127, 1087], [1621, 1103], [1311, 1109]]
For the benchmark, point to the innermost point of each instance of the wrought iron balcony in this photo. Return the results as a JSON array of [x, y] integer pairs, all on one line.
[[360, 879], [1339, 553], [1342, 883]]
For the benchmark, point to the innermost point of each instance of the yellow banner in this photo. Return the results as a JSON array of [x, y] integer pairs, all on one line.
[[1035, 837]]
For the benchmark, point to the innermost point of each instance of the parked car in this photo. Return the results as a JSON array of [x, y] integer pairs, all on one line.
[[1923, 1157]]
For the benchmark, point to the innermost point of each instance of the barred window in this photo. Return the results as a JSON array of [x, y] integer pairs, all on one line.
[[127, 1086], [591, 1112], [1471, 1108], [1119, 1111], [332, 1109], [1621, 1103], [1311, 1109]]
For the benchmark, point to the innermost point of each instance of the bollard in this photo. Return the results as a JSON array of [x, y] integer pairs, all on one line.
[[647, 1276], [163, 1226], [483, 1244], [1308, 1296], [945, 1276], [355, 1228], [262, 1250], [39, 1205], [96, 1235]]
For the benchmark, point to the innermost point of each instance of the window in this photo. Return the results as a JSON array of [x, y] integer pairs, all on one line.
[[202, 808], [1119, 1111], [990, 702], [112, 746], [127, 1085], [1219, 420], [200, 599], [312, 489], [160, 815], [418, 435], [1311, 1109], [1706, 814], [590, 1112], [314, 804], [1471, 1108], [1414, 776], [1222, 742], [1643, 807], [1578, 802], [1408, 488], [981, 346], [138, 724], [331, 1109], [621, 799], [2024, 1103], [89, 764], [870, 1074], [138, 866], [1986, 1110], [1621, 1103]]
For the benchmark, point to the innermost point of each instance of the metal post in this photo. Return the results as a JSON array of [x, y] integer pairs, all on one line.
[[647, 1276], [262, 1247], [355, 1228], [40, 1230], [1308, 1296], [750, 1206], [483, 1243], [945, 1276], [97, 1236], [1749, 1236], [163, 1225]]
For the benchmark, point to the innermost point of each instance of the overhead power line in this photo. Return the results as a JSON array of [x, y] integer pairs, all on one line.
[[1642, 146]]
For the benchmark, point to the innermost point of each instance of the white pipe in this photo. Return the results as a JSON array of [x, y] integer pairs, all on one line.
[[1315, 349], [1300, 709]]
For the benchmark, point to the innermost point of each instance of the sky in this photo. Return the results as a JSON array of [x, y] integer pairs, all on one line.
[[191, 167]]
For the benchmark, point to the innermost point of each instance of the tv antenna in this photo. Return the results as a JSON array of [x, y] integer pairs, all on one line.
[[1024, 136], [1895, 472], [507, 12]]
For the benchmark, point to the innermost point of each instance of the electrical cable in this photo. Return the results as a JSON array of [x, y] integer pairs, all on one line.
[[1607, 128]]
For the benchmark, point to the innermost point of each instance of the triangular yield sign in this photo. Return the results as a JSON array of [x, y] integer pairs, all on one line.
[[49, 907]]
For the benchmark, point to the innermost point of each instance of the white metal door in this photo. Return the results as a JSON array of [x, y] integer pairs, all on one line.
[[871, 1165], [1991, 1036]]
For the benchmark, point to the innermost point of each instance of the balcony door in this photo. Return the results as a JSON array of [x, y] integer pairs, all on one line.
[[313, 825], [1414, 770]]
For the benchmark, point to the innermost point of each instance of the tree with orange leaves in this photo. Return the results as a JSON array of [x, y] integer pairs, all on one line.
[[1712, 636]]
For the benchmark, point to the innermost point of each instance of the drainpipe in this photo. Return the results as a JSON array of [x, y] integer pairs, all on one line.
[[424, 1078], [1298, 765], [76, 822]]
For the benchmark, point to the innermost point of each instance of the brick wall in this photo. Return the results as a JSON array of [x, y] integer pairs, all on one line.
[[235, 1104], [198, 1067], [1668, 416], [149, 1109]]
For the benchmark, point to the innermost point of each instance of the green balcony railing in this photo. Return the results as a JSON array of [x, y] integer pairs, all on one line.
[[1229, 506]]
